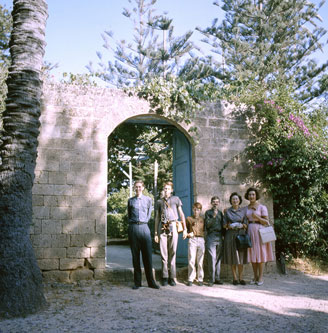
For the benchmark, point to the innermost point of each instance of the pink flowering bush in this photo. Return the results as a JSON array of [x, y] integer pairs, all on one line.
[[289, 153]]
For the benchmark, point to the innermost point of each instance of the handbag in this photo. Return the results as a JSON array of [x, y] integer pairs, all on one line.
[[267, 234], [243, 242], [179, 226]]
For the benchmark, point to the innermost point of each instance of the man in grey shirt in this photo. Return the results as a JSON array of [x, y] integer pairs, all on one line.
[[167, 212], [139, 212]]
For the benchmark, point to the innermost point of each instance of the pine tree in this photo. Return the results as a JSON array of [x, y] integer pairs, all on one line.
[[154, 50], [269, 41]]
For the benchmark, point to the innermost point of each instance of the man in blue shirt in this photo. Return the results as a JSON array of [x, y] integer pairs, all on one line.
[[139, 212]]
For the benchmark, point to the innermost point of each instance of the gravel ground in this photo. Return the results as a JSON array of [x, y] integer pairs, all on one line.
[[292, 303]]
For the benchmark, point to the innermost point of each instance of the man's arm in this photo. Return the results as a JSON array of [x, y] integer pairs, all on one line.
[[183, 219]]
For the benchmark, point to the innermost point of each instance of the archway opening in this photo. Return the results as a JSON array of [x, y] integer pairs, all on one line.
[[154, 150]]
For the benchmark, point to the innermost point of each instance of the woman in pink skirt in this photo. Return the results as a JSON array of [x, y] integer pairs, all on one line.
[[258, 217]]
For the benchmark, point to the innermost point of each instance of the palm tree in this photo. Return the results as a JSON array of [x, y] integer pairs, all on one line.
[[21, 289]]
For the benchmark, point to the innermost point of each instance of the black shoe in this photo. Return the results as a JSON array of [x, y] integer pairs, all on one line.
[[234, 282], [218, 282], [135, 287], [172, 282], [165, 283], [200, 284], [189, 283], [210, 284], [154, 286], [242, 282]]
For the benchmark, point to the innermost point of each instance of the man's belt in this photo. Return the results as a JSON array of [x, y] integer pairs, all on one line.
[[138, 222]]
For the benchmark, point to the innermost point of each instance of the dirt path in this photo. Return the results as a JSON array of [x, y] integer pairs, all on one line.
[[292, 303]]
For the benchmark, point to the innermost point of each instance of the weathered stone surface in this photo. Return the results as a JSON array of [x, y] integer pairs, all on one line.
[[82, 274], [65, 264], [58, 276], [48, 264]]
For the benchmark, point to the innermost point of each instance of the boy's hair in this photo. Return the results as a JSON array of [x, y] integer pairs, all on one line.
[[169, 184], [197, 205]]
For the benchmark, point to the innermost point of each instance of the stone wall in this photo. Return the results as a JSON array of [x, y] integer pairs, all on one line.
[[69, 192]]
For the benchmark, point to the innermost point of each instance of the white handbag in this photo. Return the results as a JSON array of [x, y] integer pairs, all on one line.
[[267, 234]]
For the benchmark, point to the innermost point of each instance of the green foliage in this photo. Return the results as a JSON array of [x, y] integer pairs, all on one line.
[[289, 153], [142, 145], [82, 80], [267, 42]]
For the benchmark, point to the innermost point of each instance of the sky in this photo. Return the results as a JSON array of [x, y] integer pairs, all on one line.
[[74, 27]]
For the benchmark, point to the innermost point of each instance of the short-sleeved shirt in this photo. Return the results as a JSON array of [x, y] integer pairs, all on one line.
[[261, 210], [231, 215], [139, 209], [169, 214], [195, 225]]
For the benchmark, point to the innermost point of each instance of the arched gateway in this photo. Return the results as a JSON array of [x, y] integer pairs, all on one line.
[[69, 193]]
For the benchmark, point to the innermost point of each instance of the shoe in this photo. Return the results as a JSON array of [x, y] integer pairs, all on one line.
[[259, 283], [172, 282], [252, 282], [234, 282], [135, 287], [218, 282], [210, 284], [154, 286], [242, 282], [165, 282], [200, 283], [189, 283]]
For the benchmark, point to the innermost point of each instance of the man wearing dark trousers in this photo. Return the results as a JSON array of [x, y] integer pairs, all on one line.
[[139, 212]]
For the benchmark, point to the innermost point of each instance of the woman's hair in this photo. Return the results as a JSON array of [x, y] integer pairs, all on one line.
[[250, 190], [197, 205], [238, 195]]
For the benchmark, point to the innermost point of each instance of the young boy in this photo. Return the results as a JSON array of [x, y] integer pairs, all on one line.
[[196, 245]]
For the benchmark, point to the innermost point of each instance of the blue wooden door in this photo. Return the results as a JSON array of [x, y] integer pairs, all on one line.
[[182, 180]]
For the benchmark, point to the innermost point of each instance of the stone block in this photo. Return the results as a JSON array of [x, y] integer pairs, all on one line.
[[88, 240], [41, 177], [54, 253], [41, 240], [63, 190], [48, 264], [41, 212], [57, 178], [96, 263], [65, 263], [98, 213], [60, 241], [101, 226], [98, 252], [52, 227], [58, 276], [78, 252], [82, 274], [101, 274], [38, 251], [37, 226], [61, 213], [57, 201], [80, 213], [38, 200], [43, 189]]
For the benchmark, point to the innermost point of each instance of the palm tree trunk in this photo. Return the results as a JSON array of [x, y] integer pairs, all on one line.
[[21, 289]]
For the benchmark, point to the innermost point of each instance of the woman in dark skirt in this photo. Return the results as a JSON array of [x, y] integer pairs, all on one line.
[[235, 222]]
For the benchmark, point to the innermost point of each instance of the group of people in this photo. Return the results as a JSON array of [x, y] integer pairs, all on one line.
[[215, 234]]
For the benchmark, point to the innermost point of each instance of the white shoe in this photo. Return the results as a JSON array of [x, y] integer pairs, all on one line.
[[253, 282], [259, 283]]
